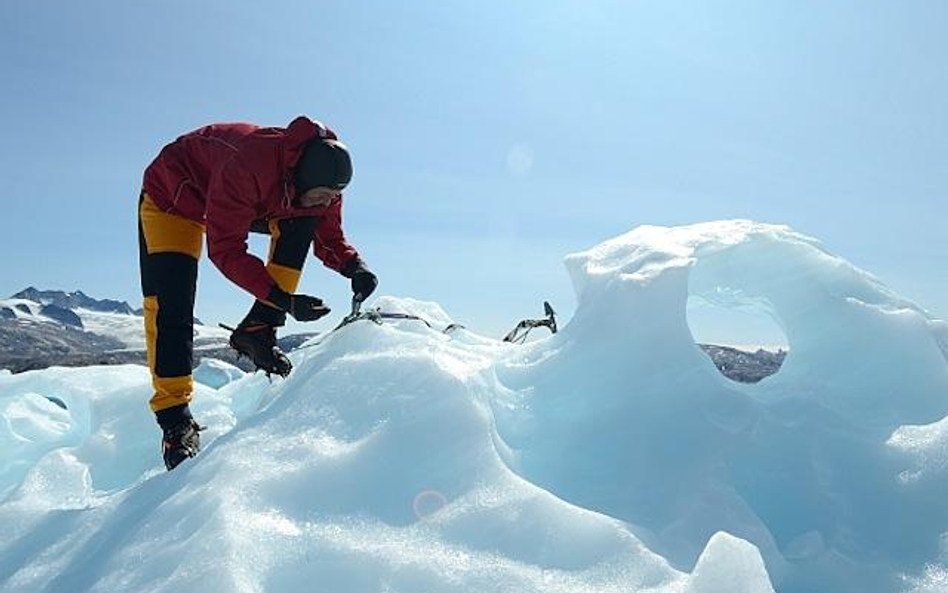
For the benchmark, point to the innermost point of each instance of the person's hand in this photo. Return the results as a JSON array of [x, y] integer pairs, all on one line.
[[364, 282], [306, 308], [301, 306]]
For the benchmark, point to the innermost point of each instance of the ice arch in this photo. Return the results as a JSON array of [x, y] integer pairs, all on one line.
[[847, 331]]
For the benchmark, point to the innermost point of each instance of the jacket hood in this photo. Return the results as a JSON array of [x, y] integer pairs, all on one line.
[[300, 131]]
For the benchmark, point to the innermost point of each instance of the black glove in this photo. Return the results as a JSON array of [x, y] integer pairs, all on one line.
[[301, 306], [364, 282], [306, 308]]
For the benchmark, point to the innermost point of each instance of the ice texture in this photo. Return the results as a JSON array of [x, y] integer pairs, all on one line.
[[612, 456], [216, 373]]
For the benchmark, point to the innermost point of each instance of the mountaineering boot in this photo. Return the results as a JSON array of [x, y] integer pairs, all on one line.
[[181, 441], [258, 342]]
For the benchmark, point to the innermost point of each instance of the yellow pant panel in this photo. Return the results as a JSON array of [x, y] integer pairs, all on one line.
[[150, 308], [170, 392], [286, 278], [169, 233]]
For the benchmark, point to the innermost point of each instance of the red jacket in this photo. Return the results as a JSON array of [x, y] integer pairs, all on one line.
[[228, 175]]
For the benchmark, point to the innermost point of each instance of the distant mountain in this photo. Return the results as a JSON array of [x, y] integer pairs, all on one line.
[[27, 346], [43, 328], [74, 300], [743, 366]]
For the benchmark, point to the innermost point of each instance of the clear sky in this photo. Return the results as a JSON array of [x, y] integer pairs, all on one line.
[[489, 138]]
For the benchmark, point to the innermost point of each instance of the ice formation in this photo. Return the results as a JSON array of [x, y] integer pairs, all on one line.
[[609, 457], [216, 373]]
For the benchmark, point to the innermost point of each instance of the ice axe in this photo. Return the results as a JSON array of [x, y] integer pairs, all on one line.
[[526, 325]]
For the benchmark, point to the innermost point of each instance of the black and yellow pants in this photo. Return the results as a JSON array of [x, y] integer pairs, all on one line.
[[169, 248]]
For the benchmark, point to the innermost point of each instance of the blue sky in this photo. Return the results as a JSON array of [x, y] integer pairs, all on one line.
[[490, 138]]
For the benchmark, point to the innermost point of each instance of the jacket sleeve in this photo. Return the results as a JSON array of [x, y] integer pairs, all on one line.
[[329, 242], [230, 212]]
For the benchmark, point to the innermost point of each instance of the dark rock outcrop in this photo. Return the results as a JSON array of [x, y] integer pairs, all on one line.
[[64, 316]]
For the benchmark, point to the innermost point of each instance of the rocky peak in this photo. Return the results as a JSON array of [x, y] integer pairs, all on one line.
[[74, 300]]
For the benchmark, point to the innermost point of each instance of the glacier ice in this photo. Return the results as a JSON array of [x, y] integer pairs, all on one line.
[[216, 373], [609, 457]]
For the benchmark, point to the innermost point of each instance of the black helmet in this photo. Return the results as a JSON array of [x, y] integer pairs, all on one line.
[[324, 163]]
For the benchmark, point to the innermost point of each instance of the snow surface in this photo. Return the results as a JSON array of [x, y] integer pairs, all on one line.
[[612, 456]]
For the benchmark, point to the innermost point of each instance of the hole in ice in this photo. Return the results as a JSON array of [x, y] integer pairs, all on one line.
[[739, 334]]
